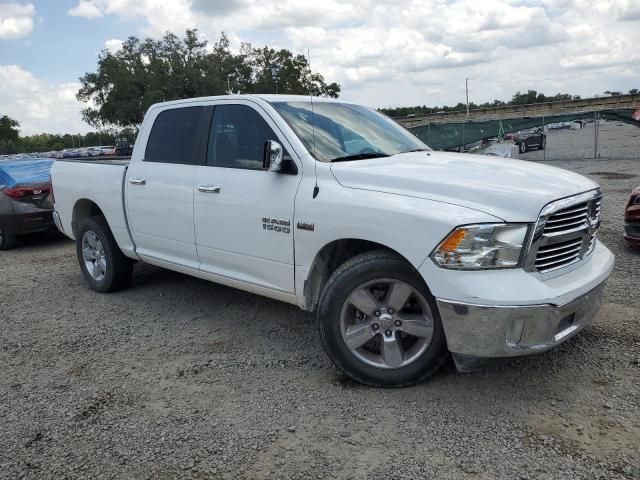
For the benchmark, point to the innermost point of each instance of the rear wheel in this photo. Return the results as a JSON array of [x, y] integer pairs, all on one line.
[[103, 265], [379, 323], [6, 241]]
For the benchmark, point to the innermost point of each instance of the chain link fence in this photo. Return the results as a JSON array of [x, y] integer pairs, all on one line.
[[607, 134]]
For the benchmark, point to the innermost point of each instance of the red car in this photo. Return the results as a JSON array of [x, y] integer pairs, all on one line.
[[632, 219]]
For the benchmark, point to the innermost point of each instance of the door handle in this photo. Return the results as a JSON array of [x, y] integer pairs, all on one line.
[[208, 189], [137, 181]]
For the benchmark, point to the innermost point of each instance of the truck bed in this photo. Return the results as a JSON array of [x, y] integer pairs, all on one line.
[[92, 182]]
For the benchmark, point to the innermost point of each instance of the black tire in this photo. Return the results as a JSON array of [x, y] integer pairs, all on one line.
[[119, 268], [349, 276], [7, 242], [543, 144], [523, 147]]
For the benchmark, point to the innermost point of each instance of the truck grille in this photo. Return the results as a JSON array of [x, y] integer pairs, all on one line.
[[565, 232]]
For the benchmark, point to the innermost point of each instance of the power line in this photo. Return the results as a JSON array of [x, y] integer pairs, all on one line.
[[437, 92], [531, 80]]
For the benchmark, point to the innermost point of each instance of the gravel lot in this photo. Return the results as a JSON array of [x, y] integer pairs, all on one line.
[[616, 140], [180, 378]]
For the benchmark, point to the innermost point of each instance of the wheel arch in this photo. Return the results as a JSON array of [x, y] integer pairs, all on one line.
[[330, 257], [83, 209]]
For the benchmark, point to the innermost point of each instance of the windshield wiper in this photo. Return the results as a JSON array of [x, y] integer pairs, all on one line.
[[360, 156], [416, 150]]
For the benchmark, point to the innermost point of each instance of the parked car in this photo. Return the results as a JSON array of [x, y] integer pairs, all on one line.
[[405, 254], [108, 150], [529, 140], [632, 219], [25, 203], [70, 153]]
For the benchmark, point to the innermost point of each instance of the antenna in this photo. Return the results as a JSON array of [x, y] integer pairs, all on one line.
[[316, 189]]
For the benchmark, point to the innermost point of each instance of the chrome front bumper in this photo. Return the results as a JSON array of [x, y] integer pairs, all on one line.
[[504, 331]]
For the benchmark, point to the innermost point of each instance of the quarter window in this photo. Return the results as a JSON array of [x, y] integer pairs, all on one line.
[[176, 137]]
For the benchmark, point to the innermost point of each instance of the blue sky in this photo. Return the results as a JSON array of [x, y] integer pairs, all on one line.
[[61, 47], [382, 52]]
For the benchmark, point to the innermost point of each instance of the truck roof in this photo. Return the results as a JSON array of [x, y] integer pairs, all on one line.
[[265, 97]]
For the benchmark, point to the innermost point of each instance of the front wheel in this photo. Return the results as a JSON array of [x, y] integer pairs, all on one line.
[[379, 323], [523, 147], [103, 265], [7, 241]]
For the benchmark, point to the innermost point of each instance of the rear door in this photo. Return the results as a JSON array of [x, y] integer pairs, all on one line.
[[244, 215], [159, 187]]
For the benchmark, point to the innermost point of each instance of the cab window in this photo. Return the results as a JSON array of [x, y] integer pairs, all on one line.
[[237, 137], [175, 136]]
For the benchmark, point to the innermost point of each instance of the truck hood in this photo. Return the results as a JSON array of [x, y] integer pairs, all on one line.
[[512, 190]]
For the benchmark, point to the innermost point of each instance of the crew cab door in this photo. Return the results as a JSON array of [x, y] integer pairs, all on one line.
[[244, 215], [159, 187]]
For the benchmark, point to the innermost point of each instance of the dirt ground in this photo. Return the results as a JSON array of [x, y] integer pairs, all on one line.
[[180, 378]]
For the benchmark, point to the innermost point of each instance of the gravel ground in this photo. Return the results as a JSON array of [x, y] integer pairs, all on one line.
[[181, 378], [616, 140]]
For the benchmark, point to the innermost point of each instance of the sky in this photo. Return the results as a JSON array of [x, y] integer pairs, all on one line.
[[383, 53]]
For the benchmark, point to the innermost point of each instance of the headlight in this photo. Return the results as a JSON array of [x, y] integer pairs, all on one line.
[[485, 246]]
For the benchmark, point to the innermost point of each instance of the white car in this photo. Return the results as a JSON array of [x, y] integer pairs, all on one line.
[[404, 253]]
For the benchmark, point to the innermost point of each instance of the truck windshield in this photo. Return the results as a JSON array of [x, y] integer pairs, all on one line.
[[346, 132]]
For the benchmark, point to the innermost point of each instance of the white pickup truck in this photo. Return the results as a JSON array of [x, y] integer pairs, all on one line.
[[406, 254]]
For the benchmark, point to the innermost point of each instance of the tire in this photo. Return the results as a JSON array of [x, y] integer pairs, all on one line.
[[114, 270], [7, 242], [367, 272], [523, 147], [543, 144]]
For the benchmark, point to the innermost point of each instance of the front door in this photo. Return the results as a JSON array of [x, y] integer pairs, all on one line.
[[244, 215]]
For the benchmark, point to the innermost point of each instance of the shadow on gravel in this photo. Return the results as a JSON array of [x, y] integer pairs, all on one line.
[[49, 238]]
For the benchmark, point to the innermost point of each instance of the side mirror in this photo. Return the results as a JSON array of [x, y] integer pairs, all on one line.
[[273, 156]]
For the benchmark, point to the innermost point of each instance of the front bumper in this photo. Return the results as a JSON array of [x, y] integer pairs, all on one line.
[[632, 232], [515, 312], [494, 331]]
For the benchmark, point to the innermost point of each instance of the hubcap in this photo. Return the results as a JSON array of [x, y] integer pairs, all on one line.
[[386, 323], [93, 255]]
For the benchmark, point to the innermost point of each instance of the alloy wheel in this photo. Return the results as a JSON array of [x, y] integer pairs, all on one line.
[[93, 255], [386, 323]]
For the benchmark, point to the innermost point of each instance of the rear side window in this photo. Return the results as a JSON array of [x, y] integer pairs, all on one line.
[[237, 137], [176, 137]]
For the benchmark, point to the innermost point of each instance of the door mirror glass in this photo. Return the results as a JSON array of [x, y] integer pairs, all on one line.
[[273, 156]]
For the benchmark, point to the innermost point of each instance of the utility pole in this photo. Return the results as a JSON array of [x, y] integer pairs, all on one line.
[[466, 85], [275, 73]]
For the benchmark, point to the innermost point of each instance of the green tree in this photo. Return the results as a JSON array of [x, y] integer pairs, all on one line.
[[127, 82], [9, 128]]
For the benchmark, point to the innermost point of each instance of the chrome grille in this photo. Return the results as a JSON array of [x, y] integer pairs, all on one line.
[[565, 232]]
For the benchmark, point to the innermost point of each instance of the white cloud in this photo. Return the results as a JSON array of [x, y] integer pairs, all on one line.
[[38, 106], [417, 51], [113, 45], [86, 9], [16, 20]]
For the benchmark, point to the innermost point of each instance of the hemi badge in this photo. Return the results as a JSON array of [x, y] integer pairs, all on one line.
[[306, 226]]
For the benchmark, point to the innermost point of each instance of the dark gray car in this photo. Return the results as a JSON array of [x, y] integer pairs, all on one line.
[[25, 199]]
